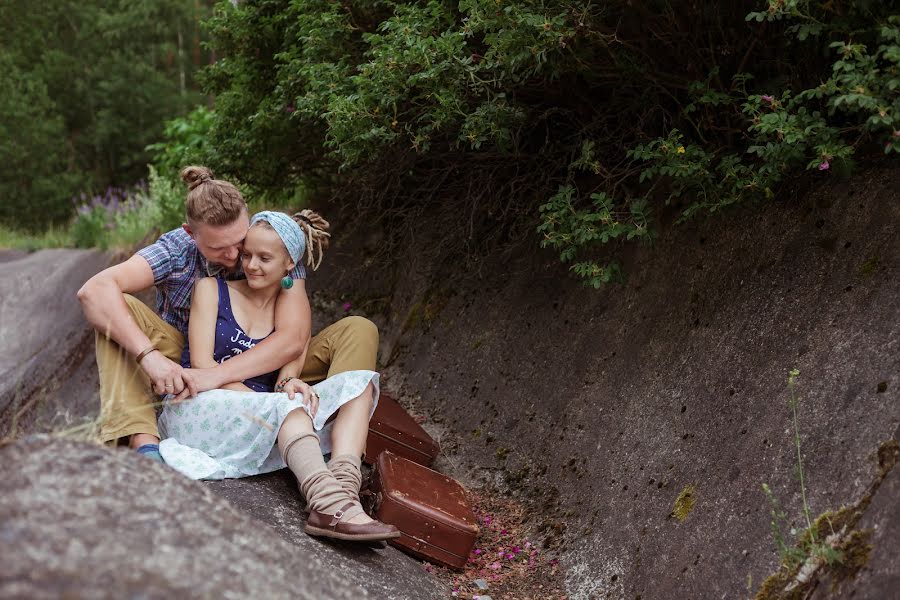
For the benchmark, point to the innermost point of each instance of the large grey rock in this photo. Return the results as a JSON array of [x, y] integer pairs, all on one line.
[[79, 520], [47, 369]]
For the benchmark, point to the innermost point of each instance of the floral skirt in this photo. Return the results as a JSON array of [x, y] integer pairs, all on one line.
[[223, 434]]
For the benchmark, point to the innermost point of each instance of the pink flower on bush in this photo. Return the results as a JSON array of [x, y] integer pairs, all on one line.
[[768, 98], [346, 306], [824, 165]]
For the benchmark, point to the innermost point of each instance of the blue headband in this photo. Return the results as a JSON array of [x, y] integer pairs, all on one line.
[[287, 229]]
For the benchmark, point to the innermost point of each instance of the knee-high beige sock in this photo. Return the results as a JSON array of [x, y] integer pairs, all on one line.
[[323, 492], [346, 469]]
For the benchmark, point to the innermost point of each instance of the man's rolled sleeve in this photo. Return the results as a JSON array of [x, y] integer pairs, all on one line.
[[159, 256]]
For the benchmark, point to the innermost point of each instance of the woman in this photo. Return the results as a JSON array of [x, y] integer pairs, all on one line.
[[233, 432]]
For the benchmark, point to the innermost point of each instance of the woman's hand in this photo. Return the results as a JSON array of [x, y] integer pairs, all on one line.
[[310, 397]]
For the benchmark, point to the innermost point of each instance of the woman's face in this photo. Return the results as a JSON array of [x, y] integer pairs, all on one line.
[[265, 260]]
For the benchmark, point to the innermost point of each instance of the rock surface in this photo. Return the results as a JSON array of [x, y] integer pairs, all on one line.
[[638, 421], [79, 520], [74, 521], [603, 407], [47, 369]]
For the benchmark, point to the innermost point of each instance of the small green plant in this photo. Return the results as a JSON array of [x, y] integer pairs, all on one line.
[[566, 228], [91, 228], [811, 547], [123, 218]]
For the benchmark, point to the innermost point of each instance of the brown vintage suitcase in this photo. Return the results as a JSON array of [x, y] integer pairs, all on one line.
[[430, 509], [392, 428]]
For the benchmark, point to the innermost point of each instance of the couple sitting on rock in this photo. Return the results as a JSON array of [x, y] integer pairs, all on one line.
[[234, 375]]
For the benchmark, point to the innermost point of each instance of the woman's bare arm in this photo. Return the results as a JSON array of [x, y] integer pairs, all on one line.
[[293, 323], [202, 329]]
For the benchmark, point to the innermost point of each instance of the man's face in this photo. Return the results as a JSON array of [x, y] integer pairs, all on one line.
[[221, 244]]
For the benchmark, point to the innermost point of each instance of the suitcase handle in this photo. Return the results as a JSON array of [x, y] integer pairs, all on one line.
[[371, 501]]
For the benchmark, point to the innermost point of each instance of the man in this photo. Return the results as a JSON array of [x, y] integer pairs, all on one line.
[[138, 352]]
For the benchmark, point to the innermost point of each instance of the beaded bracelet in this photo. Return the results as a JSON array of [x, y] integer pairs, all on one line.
[[279, 387]]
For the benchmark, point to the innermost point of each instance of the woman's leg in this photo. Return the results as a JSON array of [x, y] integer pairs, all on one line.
[[299, 446], [348, 441], [351, 426]]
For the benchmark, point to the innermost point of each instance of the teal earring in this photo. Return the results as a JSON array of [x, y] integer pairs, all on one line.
[[287, 282]]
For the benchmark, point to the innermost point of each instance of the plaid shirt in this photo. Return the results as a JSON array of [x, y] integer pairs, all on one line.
[[177, 264]]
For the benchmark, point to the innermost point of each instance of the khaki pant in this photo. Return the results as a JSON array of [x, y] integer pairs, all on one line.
[[128, 403]]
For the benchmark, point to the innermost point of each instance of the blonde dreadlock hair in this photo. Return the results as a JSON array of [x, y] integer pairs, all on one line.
[[317, 237]]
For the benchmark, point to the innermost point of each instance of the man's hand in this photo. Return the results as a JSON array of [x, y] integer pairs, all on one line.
[[166, 376], [310, 397], [200, 380]]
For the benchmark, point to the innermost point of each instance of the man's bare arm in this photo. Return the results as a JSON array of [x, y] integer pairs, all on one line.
[[103, 302], [102, 299]]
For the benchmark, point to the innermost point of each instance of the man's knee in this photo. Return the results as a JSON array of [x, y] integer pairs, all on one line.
[[360, 328]]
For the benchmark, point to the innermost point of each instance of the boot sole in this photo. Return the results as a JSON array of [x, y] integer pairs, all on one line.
[[350, 537]]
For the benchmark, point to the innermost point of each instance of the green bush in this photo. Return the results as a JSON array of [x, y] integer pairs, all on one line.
[[86, 87], [91, 228], [582, 118], [185, 142], [124, 218]]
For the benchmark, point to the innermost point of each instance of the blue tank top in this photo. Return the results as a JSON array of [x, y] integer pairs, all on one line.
[[231, 341]]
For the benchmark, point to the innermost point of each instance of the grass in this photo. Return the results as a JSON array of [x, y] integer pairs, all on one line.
[[54, 237]]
